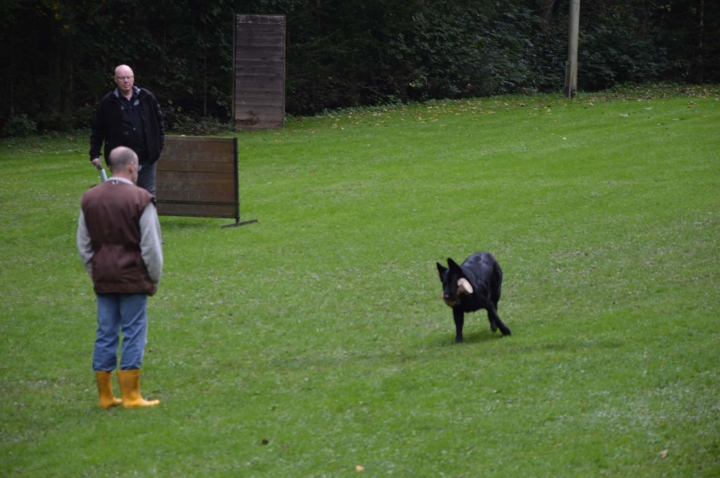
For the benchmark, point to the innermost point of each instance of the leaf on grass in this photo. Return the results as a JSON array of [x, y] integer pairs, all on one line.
[[359, 468], [663, 454]]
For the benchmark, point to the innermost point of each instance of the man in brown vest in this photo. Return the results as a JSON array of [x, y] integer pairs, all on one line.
[[121, 247]]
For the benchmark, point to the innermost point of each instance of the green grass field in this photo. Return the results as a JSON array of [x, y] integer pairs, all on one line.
[[315, 341]]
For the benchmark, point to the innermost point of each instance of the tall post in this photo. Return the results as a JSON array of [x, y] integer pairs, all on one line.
[[571, 68]]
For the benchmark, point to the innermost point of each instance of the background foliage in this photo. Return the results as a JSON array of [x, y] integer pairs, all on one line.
[[57, 56]]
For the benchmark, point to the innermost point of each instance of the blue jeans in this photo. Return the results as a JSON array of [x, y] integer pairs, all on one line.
[[115, 313], [146, 177]]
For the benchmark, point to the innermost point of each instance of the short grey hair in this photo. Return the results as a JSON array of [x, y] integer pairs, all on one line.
[[121, 157]]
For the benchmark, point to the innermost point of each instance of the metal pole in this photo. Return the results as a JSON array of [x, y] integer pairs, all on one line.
[[237, 192], [571, 68]]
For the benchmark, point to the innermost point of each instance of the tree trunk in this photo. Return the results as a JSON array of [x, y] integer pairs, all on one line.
[[700, 67], [56, 105], [547, 9]]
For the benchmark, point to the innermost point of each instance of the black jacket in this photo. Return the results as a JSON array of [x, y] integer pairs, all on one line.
[[108, 127]]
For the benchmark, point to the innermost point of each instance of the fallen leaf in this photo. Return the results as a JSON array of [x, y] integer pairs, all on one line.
[[663, 454], [359, 468]]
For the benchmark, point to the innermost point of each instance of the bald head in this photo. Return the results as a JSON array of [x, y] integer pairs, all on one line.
[[123, 70], [124, 163], [125, 80]]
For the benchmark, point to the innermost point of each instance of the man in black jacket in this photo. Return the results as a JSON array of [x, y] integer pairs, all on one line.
[[129, 116]]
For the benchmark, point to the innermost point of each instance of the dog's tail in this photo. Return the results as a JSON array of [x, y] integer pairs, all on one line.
[[497, 282]]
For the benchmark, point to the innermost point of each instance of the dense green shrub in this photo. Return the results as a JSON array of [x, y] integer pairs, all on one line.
[[619, 48], [58, 57], [180, 123], [19, 126]]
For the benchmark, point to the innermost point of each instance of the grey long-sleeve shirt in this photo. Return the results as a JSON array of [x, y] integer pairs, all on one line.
[[150, 242]]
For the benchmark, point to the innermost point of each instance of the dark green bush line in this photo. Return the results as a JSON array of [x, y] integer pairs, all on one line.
[[57, 57]]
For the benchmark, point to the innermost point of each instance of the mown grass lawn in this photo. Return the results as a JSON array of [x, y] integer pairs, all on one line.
[[314, 342]]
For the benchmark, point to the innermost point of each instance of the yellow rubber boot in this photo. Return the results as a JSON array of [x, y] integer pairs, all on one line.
[[130, 388], [104, 383]]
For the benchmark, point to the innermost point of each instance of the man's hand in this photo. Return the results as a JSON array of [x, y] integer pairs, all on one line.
[[97, 163]]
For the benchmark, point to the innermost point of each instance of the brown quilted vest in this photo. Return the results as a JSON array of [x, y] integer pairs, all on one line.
[[112, 213]]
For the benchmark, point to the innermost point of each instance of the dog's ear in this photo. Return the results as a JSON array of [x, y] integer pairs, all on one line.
[[452, 264], [441, 269]]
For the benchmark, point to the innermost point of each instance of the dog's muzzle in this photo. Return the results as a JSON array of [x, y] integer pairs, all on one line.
[[464, 288]]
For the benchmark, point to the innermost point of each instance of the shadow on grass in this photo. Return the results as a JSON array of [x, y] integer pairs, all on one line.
[[469, 338], [180, 223], [520, 345]]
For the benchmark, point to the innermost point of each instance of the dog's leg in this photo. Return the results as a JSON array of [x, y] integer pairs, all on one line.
[[495, 297], [493, 325], [495, 318], [459, 317]]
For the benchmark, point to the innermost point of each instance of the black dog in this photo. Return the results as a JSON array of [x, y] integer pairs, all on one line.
[[473, 286]]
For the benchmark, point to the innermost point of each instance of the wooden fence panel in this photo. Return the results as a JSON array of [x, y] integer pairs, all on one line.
[[198, 177], [259, 78]]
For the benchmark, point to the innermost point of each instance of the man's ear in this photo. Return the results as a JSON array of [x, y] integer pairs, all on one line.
[[133, 168]]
